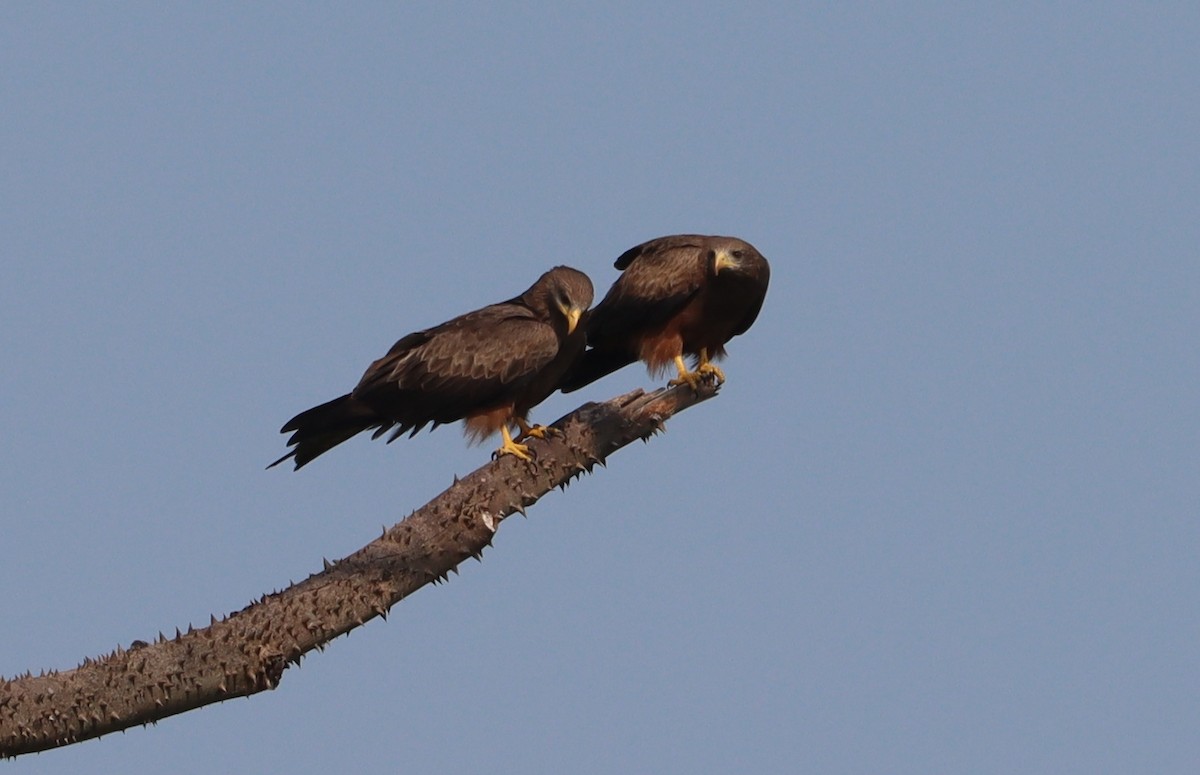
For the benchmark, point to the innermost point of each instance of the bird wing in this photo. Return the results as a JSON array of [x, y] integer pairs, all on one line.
[[473, 362], [658, 279]]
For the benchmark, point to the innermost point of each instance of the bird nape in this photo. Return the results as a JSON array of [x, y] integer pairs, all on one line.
[[488, 367], [683, 295]]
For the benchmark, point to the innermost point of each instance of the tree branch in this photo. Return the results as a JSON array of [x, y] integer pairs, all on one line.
[[248, 651]]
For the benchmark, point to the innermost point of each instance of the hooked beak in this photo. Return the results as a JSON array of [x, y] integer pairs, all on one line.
[[724, 261], [573, 314]]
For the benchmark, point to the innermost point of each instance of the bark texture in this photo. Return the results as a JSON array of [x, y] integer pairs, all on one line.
[[249, 651]]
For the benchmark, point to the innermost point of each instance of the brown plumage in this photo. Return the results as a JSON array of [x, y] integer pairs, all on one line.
[[488, 367], [680, 295]]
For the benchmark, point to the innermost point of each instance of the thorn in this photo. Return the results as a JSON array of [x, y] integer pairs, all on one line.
[[326, 564], [212, 619]]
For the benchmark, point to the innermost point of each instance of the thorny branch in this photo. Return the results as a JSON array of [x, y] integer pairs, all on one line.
[[249, 650]]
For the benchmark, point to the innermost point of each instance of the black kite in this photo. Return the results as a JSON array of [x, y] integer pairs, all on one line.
[[681, 295], [488, 367]]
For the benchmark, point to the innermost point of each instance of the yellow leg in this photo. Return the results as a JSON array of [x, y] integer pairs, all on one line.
[[705, 369], [686, 376], [510, 447]]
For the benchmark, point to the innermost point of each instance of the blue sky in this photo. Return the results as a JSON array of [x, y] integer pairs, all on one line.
[[942, 517]]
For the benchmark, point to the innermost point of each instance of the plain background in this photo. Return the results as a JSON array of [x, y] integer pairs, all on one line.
[[942, 517]]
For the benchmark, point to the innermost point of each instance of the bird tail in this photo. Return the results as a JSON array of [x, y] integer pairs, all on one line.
[[591, 366], [323, 427]]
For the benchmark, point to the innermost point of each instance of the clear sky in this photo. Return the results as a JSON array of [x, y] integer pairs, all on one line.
[[943, 517]]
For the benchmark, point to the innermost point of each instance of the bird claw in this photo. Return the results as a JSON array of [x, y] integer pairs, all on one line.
[[690, 378], [709, 369], [516, 450], [706, 371], [538, 432]]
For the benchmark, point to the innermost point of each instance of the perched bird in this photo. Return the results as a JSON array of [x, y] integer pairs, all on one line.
[[680, 295], [488, 367]]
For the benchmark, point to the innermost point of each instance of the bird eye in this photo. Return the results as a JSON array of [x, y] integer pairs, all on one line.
[[736, 254]]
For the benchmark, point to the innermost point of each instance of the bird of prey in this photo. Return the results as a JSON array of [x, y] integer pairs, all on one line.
[[488, 367], [680, 295]]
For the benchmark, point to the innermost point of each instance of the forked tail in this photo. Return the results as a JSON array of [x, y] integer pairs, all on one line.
[[323, 427]]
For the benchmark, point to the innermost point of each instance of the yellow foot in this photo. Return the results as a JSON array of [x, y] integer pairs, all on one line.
[[510, 447], [535, 431], [704, 371], [708, 369], [690, 378], [686, 376]]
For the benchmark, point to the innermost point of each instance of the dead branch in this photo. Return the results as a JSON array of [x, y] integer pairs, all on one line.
[[249, 650]]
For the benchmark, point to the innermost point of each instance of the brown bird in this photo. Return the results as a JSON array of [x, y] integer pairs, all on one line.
[[488, 367], [680, 295]]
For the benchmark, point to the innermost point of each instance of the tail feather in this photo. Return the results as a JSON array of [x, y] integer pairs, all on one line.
[[323, 427], [593, 365]]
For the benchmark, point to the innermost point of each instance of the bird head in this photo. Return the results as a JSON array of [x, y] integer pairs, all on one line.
[[570, 294], [731, 257]]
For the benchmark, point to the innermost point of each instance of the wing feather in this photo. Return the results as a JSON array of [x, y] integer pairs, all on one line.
[[658, 279], [477, 360]]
